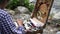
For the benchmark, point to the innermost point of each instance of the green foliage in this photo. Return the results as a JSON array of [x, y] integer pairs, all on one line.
[[28, 5], [12, 4], [15, 3], [31, 7]]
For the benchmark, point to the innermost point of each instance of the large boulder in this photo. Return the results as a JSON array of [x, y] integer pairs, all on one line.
[[11, 12], [57, 15], [58, 32], [22, 16], [21, 9]]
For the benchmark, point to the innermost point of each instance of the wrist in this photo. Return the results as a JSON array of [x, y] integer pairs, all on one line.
[[20, 25]]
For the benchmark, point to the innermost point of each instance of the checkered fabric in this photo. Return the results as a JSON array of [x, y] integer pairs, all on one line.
[[7, 26]]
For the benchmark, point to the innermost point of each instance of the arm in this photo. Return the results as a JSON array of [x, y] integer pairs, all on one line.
[[9, 25]]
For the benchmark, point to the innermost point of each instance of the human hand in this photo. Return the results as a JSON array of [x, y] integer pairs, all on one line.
[[20, 22]]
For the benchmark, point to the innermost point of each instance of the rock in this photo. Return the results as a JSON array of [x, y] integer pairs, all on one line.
[[33, 1], [21, 9], [56, 9], [25, 16], [22, 16], [57, 15], [56, 3], [58, 32], [50, 30], [53, 10], [11, 12]]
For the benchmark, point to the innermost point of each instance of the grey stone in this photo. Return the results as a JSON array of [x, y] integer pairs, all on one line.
[[11, 12], [21, 9], [22, 16], [57, 15], [58, 32], [49, 30], [56, 9]]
